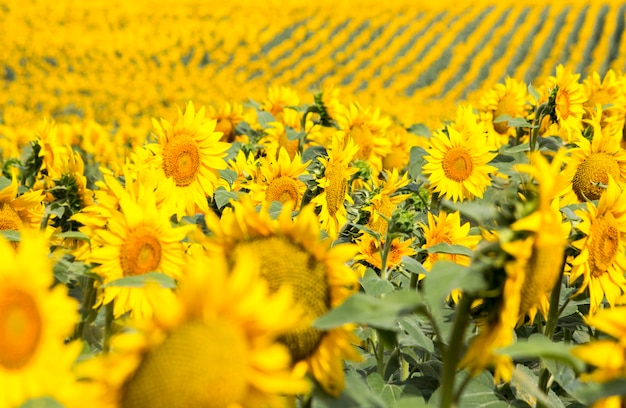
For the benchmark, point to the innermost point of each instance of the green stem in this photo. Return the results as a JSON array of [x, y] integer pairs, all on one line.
[[379, 358], [413, 281], [89, 299], [553, 316], [453, 352], [539, 114], [108, 327]]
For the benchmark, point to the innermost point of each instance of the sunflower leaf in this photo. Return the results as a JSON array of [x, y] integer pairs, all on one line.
[[45, 402], [368, 310], [138, 281], [539, 346], [374, 285], [416, 161], [10, 235], [445, 248]]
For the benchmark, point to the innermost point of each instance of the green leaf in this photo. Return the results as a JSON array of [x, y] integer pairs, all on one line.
[[524, 386], [414, 334], [389, 393], [229, 175], [45, 402], [4, 182], [355, 394], [539, 346], [73, 235], [477, 394], [367, 310], [413, 266], [444, 277], [420, 129], [10, 235], [416, 161], [590, 393], [513, 122], [532, 91], [223, 197], [293, 134], [564, 376], [374, 285], [265, 118], [445, 248], [138, 281]]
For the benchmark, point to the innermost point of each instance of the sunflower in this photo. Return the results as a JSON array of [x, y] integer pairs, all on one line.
[[569, 100], [337, 173], [503, 99], [602, 260], [36, 319], [610, 96], [213, 344], [607, 355], [401, 143], [539, 251], [227, 117], [456, 164], [279, 180], [367, 129], [17, 212], [591, 163], [447, 228], [187, 158], [330, 101], [370, 252], [279, 98], [383, 203], [291, 254], [138, 239]]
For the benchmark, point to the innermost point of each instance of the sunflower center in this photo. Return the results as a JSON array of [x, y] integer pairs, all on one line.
[[336, 190], [283, 189], [286, 263], [198, 365], [20, 329], [181, 160], [457, 164], [9, 219], [604, 244], [141, 253], [592, 172], [362, 136], [227, 128]]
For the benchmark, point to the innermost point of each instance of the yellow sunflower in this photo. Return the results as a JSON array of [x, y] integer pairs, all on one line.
[[447, 228], [383, 203], [278, 98], [367, 129], [279, 180], [213, 344], [187, 158], [337, 173], [331, 102], [19, 211], [602, 260], [456, 164], [539, 252], [276, 137], [139, 238], [609, 94], [370, 252], [570, 98], [401, 143], [591, 163], [36, 319], [227, 117], [503, 99], [291, 254]]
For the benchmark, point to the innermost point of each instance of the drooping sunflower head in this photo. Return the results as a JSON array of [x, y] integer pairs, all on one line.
[[291, 254], [212, 344], [456, 164], [189, 156], [384, 202], [602, 258], [36, 319], [569, 100], [334, 185]]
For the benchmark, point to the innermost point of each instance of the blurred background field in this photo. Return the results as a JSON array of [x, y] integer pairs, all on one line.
[[119, 63]]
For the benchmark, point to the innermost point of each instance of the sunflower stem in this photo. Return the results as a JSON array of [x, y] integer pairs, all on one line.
[[539, 115], [453, 352], [108, 327], [553, 316], [380, 364], [89, 299]]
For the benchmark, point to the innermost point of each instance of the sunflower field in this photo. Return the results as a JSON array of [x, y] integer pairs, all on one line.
[[319, 204]]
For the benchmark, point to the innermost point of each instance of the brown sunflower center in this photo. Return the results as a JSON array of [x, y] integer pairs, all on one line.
[[592, 172], [141, 253], [227, 128], [283, 189], [9, 219], [198, 365], [362, 137], [181, 160], [603, 244], [457, 164], [286, 263], [337, 187], [20, 328]]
